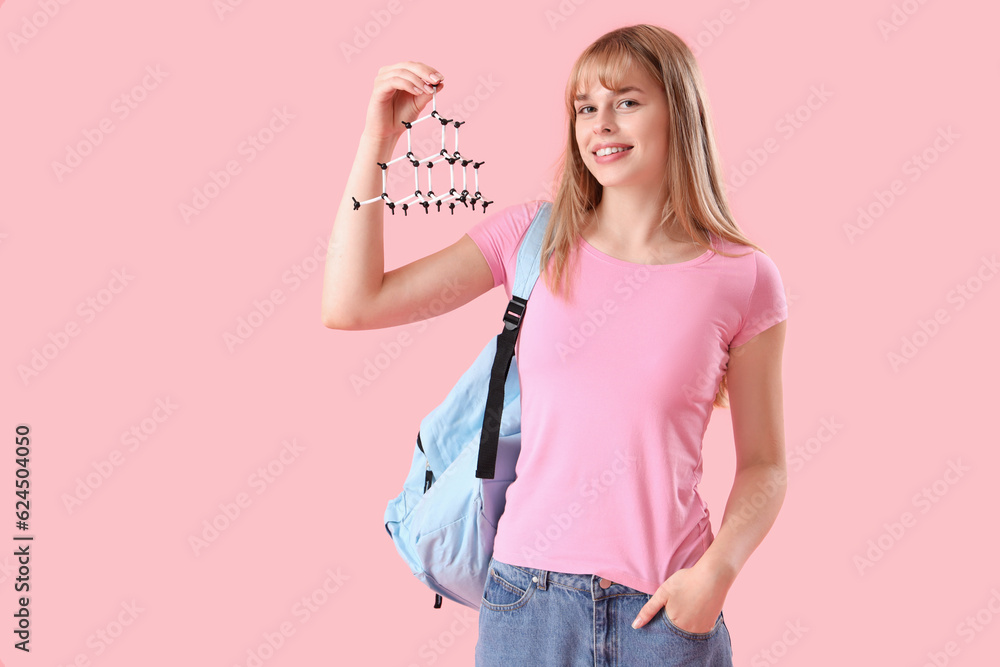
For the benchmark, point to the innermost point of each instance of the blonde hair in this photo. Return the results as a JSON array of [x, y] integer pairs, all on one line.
[[696, 201]]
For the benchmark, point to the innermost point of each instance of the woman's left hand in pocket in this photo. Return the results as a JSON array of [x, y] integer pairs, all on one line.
[[692, 599]]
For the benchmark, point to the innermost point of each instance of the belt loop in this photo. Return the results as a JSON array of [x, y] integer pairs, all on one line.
[[542, 577]]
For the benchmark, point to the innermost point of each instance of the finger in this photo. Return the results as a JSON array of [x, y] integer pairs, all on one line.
[[407, 82], [425, 71], [649, 609], [419, 84]]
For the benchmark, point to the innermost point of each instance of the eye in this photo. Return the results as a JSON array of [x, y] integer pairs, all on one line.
[[581, 109]]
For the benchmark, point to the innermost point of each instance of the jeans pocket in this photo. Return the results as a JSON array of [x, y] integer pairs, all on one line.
[[695, 636], [507, 587]]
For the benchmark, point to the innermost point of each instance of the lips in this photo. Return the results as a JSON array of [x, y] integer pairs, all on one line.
[[627, 148]]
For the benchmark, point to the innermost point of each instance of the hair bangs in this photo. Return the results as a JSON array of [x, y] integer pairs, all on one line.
[[608, 62]]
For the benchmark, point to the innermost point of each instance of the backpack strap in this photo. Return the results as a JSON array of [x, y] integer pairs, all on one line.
[[526, 275], [526, 270]]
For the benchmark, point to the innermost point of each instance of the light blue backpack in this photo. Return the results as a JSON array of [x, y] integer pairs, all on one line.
[[445, 520]]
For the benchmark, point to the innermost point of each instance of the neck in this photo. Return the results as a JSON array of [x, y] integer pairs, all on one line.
[[629, 217]]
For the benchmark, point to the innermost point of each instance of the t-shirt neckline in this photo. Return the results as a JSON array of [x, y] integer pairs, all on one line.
[[654, 267]]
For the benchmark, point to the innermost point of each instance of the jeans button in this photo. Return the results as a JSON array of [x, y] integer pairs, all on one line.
[[605, 582]]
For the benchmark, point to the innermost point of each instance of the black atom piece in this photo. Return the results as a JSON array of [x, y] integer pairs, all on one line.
[[464, 162], [460, 123], [485, 204], [384, 165], [408, 125], [427, 206], [451, 160], [474, 204], [392, 207], [452, 207], [438, 202], [405, 206], [385, 197], [477, 165], [357, 204]]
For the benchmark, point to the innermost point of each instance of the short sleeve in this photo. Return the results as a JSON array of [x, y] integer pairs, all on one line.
[[498, 236], [767, 305]]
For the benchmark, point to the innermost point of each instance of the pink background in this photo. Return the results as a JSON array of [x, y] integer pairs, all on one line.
[[161, 336]]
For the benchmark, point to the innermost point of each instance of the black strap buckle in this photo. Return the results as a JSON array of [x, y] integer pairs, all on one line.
[[515, 311]]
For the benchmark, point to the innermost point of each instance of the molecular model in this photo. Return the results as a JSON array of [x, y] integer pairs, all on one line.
[[451, 158]]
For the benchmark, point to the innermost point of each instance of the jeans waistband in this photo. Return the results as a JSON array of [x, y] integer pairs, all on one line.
[[583, 582]]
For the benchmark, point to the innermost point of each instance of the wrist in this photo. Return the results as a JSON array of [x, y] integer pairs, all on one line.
[[380, 141], [721, 570], [378, 148]]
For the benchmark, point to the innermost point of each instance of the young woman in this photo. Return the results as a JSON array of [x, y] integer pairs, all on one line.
[[651, 308]]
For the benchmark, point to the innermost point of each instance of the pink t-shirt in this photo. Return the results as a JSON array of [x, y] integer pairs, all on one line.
[[616, 395]]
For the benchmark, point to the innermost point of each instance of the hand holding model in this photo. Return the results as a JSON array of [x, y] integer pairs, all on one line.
[[400, 92]]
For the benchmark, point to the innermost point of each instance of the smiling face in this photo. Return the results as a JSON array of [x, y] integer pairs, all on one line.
[[635, 116]]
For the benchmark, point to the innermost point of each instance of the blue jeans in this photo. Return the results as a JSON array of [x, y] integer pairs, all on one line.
[[538, 618]]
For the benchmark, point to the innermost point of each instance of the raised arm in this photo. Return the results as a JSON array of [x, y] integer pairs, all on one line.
[[357, 291]]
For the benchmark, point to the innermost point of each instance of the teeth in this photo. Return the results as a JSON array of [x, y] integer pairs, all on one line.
[[609, 151]]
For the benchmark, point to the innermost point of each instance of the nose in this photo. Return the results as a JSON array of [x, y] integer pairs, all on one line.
[[604, 121]]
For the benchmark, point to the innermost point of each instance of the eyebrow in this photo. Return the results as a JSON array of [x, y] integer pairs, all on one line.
[[584, 96]]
